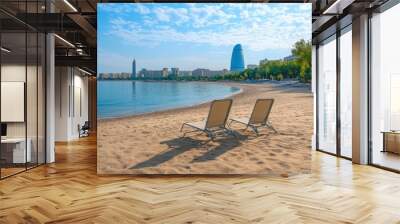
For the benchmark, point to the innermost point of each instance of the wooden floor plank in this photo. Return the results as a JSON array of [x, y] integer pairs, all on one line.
[[70, 191]]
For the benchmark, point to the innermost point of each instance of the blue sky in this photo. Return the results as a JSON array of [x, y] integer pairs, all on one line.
[[196, 35]]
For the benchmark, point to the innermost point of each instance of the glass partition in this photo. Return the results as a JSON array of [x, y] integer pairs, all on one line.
[[346, 92], [41, 97], [385, 89], [327, 95], [31, 100], [22, 91], [13, 109]]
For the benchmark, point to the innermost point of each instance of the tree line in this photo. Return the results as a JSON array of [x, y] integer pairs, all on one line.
[[298, 68]]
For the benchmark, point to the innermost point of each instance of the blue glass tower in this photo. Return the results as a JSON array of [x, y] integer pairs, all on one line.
[[237, 60], [133, 75]]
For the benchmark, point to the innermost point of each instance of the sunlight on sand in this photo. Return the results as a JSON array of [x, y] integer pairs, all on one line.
[[152, 143]]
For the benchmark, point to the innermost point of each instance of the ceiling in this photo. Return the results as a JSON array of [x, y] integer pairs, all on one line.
[[331, 15], [75, 22]]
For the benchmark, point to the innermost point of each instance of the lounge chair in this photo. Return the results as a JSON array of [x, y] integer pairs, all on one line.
[[216, 120], [259, 116]]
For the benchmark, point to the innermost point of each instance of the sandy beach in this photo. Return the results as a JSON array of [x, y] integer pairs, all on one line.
[[152, 144]]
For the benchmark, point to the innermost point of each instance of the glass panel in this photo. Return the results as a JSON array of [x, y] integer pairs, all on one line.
[[23, 90], [346, 94], [13, 87], [327, 96], [385, 89], [31, 98], [41, 99], [32, 88]]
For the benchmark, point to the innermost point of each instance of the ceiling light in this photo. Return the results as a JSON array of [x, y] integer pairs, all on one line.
[[338, 6], [5, 50], [65, 41], [84, 71], [79, 51], [70, 5]]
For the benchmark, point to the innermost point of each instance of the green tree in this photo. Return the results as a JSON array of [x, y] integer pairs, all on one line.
[[302, 51]]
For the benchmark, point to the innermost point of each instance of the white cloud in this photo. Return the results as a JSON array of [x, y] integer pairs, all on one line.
[[167, 14], [162, 14], [111, 61], [256, 26], [141, 9]]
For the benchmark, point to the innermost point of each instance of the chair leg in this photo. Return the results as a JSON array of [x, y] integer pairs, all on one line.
[[269, 125], [210, 135], [227, 131], [231, 133], [255, 130], [183, 125]]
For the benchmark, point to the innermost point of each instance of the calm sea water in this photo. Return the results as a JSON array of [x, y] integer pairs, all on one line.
[[123, 98]]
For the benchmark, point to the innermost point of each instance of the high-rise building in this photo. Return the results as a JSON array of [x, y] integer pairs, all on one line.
[[133, 69], [151, 74], [237, 60], [165, 72], [252, 66], [175, 72], [263, 61], [202, 72], [289, 58]]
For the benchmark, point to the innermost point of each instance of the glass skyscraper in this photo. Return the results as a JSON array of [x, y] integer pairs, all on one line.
[[237, 60], [133, 69]]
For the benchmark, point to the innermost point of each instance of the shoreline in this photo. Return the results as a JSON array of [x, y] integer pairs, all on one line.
[[239, 85], [176, 109]]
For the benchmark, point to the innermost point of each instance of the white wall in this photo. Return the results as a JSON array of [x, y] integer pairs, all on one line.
[[69, 112], [33, 126], [12, 73], [62, 82]]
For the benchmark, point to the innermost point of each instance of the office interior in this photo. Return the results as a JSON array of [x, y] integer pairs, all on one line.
[[45, 88]]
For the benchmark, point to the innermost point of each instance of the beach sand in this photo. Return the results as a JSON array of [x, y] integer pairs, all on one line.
[[152, 143]]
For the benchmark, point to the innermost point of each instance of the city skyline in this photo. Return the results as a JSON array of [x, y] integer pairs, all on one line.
[[190, 36], [165, 71]]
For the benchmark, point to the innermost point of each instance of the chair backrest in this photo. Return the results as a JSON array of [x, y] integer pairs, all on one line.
[[86, 125], [219, 112], [261, 111]]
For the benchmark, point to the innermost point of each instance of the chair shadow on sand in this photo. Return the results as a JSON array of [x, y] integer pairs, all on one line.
[[224, 145], [181, 145]]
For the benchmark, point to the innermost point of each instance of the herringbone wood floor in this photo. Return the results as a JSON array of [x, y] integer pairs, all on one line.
[[69, 191]]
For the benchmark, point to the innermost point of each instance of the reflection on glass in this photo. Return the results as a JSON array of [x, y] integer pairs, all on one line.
[[41, 99], [386, 89], [31, 100], [22, 91], [327, 96], [346, 94], [14, 153]]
